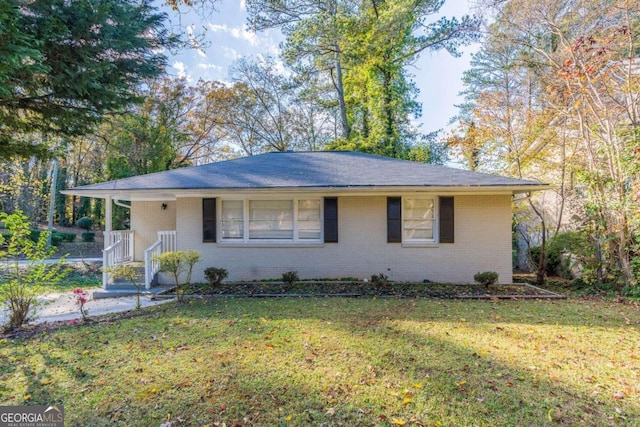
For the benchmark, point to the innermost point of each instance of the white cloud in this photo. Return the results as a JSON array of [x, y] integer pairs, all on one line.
[[240, 33], [180, 68], [243, 34], [229, 53], [243, 5], [213, 67], [215, 28]]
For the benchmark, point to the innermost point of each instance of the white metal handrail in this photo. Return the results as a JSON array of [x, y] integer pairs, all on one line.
[[151, 263]]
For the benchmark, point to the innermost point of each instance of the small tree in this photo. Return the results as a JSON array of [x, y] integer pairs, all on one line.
[[128, 273], [177, 263], [23, 281]]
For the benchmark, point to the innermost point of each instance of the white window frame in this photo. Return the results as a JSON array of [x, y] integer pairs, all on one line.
[[275, 242], [436, 220]]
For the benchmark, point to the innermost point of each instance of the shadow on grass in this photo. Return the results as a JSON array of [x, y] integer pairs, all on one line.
[[337, 362]]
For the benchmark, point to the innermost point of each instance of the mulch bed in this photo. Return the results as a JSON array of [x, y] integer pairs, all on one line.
[[367, 289]]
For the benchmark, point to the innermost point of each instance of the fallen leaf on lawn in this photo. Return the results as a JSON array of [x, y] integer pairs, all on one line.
[[406, 400], [398, 422], [288, 418], [269, 345], [418, 385], [509, 384], [619, 395]]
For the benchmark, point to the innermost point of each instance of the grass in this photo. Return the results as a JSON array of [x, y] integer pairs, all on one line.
[[339, 361]]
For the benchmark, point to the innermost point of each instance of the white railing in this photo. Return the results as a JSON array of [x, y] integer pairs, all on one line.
[[151, 264], [126, 237], [119, 249], [167, 242]]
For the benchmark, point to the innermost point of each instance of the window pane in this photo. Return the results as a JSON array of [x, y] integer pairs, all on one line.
[[418, 208], [418, 219], [232, 221], [309, 220], [271, 219]]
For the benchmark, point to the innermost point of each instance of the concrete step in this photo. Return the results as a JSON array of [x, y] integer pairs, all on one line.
[[125, 285]]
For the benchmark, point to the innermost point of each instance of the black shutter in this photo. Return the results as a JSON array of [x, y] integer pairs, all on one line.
[[331, 220], [447, 224], [394, 220], [209, 220]]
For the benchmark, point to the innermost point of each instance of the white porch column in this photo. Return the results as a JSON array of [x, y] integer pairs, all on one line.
[[108, 219]]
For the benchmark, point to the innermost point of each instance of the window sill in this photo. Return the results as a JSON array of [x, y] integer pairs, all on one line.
[[420, 245], [270, 245]]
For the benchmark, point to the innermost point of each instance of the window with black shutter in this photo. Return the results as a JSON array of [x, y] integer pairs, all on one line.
[[331, 220], [209, 220], [447, 224], [394, 220]]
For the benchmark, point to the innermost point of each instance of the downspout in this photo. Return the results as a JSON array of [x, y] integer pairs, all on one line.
[[122, 205]]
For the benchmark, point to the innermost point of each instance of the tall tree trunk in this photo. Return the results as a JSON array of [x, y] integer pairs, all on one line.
[[338, 84]]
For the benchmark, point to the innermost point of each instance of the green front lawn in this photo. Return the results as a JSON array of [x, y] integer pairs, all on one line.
[[339, 361]]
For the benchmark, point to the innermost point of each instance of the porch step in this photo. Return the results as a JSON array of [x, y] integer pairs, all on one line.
[[139, 278]]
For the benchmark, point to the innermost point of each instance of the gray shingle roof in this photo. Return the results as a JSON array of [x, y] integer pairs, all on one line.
[[322, 169]]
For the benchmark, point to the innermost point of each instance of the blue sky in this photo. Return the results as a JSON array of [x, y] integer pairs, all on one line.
[[437, 74]]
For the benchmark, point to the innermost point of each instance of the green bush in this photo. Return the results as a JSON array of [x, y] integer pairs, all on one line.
[[215, 275], [21, 284], [290, 277], [486, 278], [572, 242], [85, 223], [88, 236], [68, 237], [177, 263], [56, 239]]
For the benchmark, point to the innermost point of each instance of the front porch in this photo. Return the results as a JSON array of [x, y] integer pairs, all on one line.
[[119, 249], [142, 243]]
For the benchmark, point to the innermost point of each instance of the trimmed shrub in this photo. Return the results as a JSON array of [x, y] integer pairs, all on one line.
[[56, 239], [486, 278], [215, 275], [379, 279], [88, 236], [290, 277], [85, 223], [68, 237]]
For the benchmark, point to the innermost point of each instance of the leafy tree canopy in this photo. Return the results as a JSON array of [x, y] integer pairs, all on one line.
[[66, 64]]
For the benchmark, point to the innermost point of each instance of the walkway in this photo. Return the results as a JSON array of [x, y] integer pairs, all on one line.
[[61, 306]]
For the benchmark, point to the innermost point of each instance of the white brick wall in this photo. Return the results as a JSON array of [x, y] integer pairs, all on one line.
[[147, 218], [482, 242]]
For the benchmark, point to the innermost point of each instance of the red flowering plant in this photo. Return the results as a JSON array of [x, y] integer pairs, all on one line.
[[82, 297]]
